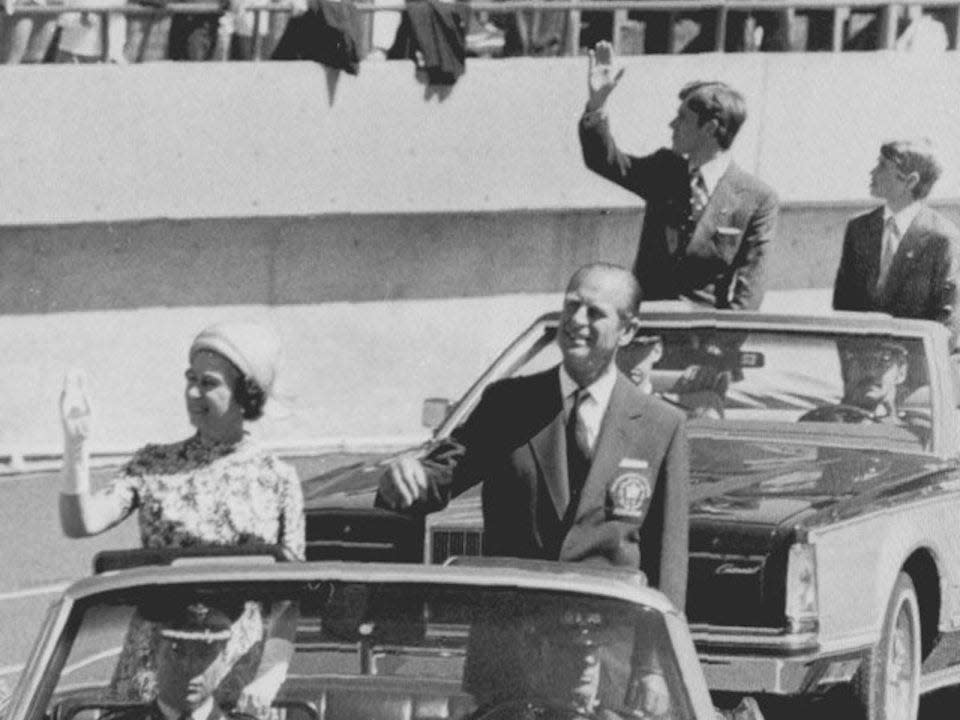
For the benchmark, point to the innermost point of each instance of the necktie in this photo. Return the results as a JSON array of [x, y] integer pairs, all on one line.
[[578, 447], [891, 236], [698, 201], [698, 196]]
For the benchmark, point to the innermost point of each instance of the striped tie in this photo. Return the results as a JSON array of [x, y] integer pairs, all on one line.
[[698, 202], [699, 197], [891, 236]]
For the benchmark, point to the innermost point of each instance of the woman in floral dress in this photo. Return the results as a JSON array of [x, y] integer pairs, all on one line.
[[215, 488]]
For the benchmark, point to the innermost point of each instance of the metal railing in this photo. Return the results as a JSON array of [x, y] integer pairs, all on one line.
[[717, 12]]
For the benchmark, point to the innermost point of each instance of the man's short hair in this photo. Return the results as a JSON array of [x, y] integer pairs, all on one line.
[[914, 156], [712, 100], [634, 292]]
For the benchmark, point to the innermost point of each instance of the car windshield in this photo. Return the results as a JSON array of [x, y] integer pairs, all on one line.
[[394, 651], [879, 383]]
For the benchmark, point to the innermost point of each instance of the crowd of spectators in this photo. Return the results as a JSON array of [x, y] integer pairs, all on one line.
[[229, 33], [78, 37]]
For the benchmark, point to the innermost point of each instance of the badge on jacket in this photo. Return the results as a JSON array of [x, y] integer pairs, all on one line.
[[629, 493]]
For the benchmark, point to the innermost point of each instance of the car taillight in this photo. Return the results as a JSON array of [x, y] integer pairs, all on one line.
[[802, 608]]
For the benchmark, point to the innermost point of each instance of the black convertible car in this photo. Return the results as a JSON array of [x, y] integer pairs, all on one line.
[[824, 549]]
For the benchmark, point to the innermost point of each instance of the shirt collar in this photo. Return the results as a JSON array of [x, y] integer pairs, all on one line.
[[904, 218], [714, 169], [600, 389], [201, 713]]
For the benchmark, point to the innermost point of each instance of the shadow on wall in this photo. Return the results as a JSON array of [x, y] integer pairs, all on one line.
[[290, 261], [284, 261]]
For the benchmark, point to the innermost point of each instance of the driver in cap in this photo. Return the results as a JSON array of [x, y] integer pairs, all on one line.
[[191, 640], [873, 372], [560, 662], [576, 660]]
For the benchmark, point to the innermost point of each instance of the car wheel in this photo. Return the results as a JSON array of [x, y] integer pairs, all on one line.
[[888, 683]]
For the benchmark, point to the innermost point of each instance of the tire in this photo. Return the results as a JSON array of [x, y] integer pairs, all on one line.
[[887, 686]]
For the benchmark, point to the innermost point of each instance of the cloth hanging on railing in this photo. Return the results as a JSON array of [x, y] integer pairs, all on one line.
[[432, 34], [328, 33]]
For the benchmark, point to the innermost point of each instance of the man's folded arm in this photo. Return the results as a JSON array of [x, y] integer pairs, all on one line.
[[749, 277], [945, 291], [842, 284]]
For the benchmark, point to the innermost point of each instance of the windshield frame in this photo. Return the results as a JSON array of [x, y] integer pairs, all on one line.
[[932, 336], [50, 653]]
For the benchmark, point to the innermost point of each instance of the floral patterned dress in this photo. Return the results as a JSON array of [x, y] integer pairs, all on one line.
[[192, 494]]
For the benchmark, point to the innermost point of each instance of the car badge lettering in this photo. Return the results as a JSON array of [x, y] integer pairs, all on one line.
[[731, 569], [628, 495]]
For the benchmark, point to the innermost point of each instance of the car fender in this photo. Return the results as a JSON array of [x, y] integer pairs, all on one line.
[[886, 539]]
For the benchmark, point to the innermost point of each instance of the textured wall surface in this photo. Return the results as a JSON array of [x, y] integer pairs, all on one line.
[[164, 140], [358, 258]]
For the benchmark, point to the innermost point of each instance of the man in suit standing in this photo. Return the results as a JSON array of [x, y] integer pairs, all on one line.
[[707, 223], [576, 463], [901, 258]]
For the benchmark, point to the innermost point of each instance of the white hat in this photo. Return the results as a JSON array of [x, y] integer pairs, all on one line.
[[253, 348]]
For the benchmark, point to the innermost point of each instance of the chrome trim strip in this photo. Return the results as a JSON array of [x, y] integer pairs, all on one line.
[[769, 675], [939, 679], [801, 674], [565, 578], [759, 638], [350, 544], [729, 556]]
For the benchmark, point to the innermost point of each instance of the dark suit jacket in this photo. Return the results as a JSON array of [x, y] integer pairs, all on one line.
[[922, 282], [724, 269], [514, 443]]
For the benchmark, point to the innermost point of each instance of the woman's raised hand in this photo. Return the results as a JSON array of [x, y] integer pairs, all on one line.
[[603, 75], [76, 414]]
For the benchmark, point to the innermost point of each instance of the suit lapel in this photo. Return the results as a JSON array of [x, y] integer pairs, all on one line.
[[718, 210], [549, 448], [873, 249], [614, 442], [911, 244]]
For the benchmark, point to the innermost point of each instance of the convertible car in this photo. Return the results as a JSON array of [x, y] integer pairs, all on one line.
[[824, 550], [492, 640]]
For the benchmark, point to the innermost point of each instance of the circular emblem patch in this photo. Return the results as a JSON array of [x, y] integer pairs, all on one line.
[[629, 494]]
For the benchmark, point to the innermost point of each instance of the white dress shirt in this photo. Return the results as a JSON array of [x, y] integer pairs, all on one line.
[[902, 219], [890, 241], [594, 405], [712, 170]]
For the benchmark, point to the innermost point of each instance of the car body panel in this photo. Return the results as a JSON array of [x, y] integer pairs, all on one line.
[[625, 588], [871, 503]]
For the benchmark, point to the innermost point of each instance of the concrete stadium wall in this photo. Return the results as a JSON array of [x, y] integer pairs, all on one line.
[[321, 259], [177, 184]]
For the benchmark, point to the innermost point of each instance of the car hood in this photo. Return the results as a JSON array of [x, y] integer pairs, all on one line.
[[777, 481], [350, 486], [752, 481]]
